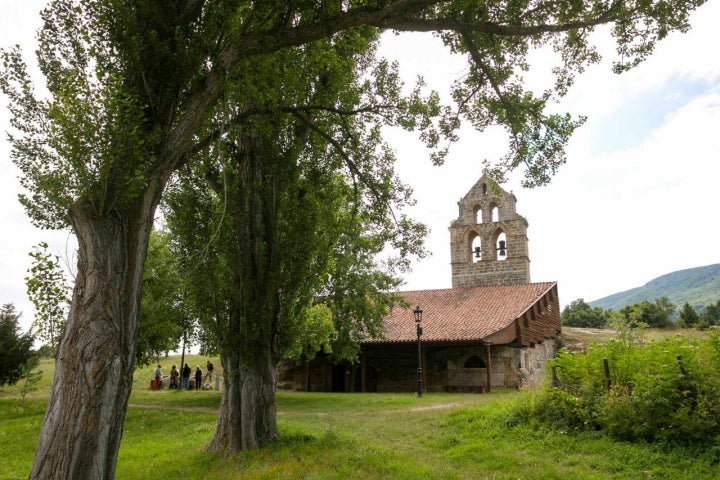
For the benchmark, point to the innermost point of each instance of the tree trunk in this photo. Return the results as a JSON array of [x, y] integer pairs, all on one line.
[[247, 417], [81, 433], [249, 347]]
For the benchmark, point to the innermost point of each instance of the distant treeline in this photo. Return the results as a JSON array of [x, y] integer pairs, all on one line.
[[659, 313]]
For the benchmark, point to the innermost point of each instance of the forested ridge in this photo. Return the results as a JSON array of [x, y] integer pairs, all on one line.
[[697, 286]]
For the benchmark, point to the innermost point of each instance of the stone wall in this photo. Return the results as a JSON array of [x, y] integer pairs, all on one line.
[[393, 368]]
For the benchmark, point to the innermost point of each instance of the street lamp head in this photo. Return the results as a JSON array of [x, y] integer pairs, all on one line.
[[418, 314]]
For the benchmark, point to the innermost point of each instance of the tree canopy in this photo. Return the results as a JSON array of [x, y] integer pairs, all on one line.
[[710, 315], [580, 314], [652, 314], [131, 81]]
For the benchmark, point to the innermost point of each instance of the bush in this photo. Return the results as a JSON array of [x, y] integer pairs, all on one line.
[[666, 392]]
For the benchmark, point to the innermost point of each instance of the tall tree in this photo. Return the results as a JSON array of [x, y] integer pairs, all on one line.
[[302, 192], [130, 85], [688, 317], [15, 346]]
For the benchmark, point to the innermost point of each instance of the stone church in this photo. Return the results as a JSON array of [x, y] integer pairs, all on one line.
[[493, 328]]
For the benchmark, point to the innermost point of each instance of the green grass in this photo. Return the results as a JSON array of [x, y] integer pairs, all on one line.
[[352, 436]]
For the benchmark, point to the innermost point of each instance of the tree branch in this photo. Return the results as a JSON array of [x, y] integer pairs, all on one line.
[[237, 119], [402, 15], [350, 164], [477, 59]]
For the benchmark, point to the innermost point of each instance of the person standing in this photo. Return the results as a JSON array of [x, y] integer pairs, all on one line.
[[158, 377], [209, 370], [174, 377], [198, 377], [186, 371]]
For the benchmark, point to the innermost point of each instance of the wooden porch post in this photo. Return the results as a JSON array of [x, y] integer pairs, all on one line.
[[307, 375], [489, 367], [363, 372]]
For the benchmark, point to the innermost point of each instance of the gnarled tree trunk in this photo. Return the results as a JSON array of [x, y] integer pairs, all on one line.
[[83, 424], [247, 417]]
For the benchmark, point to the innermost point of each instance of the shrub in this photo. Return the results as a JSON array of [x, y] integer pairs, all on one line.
[[666, 392]]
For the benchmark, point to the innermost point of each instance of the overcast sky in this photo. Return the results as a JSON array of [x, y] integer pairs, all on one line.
[[639, 194], [638, 197]]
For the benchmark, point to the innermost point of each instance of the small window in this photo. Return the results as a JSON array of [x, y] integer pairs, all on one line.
[[474, 362]]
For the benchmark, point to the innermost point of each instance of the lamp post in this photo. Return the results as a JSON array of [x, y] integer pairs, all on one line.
[[418, 324]]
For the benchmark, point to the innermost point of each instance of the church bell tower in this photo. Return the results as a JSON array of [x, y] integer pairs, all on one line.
[[488, 240]]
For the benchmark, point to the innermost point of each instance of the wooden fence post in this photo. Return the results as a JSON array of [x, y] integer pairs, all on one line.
[[606, 370], [680, 364]]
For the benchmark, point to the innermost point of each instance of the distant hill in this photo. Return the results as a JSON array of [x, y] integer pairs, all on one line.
[[698, 286]]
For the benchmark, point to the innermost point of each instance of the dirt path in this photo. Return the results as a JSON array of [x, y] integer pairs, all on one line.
[[180, 408], [176, 408]]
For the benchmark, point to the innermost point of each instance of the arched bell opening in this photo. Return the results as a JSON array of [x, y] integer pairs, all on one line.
[[501, 246], [475, 248]]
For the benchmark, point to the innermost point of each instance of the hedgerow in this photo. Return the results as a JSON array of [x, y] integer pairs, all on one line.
[[665, 392]]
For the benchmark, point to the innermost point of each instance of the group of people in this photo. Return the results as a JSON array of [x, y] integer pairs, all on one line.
[[184, 376]]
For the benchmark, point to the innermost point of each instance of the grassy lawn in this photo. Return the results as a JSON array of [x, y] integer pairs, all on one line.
[[350, 436]]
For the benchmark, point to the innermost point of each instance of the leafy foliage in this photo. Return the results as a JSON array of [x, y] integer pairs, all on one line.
[[15, 346], [315, 336], [688, 317], [664, 392], [652, 314], [48, 291], [709, 316], [656, 314], [307, 235], [31, 376], [580, 314], [163, 315], [629, 326]]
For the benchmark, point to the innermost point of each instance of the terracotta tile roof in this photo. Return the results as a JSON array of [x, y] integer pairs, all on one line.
[[461, 314]]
